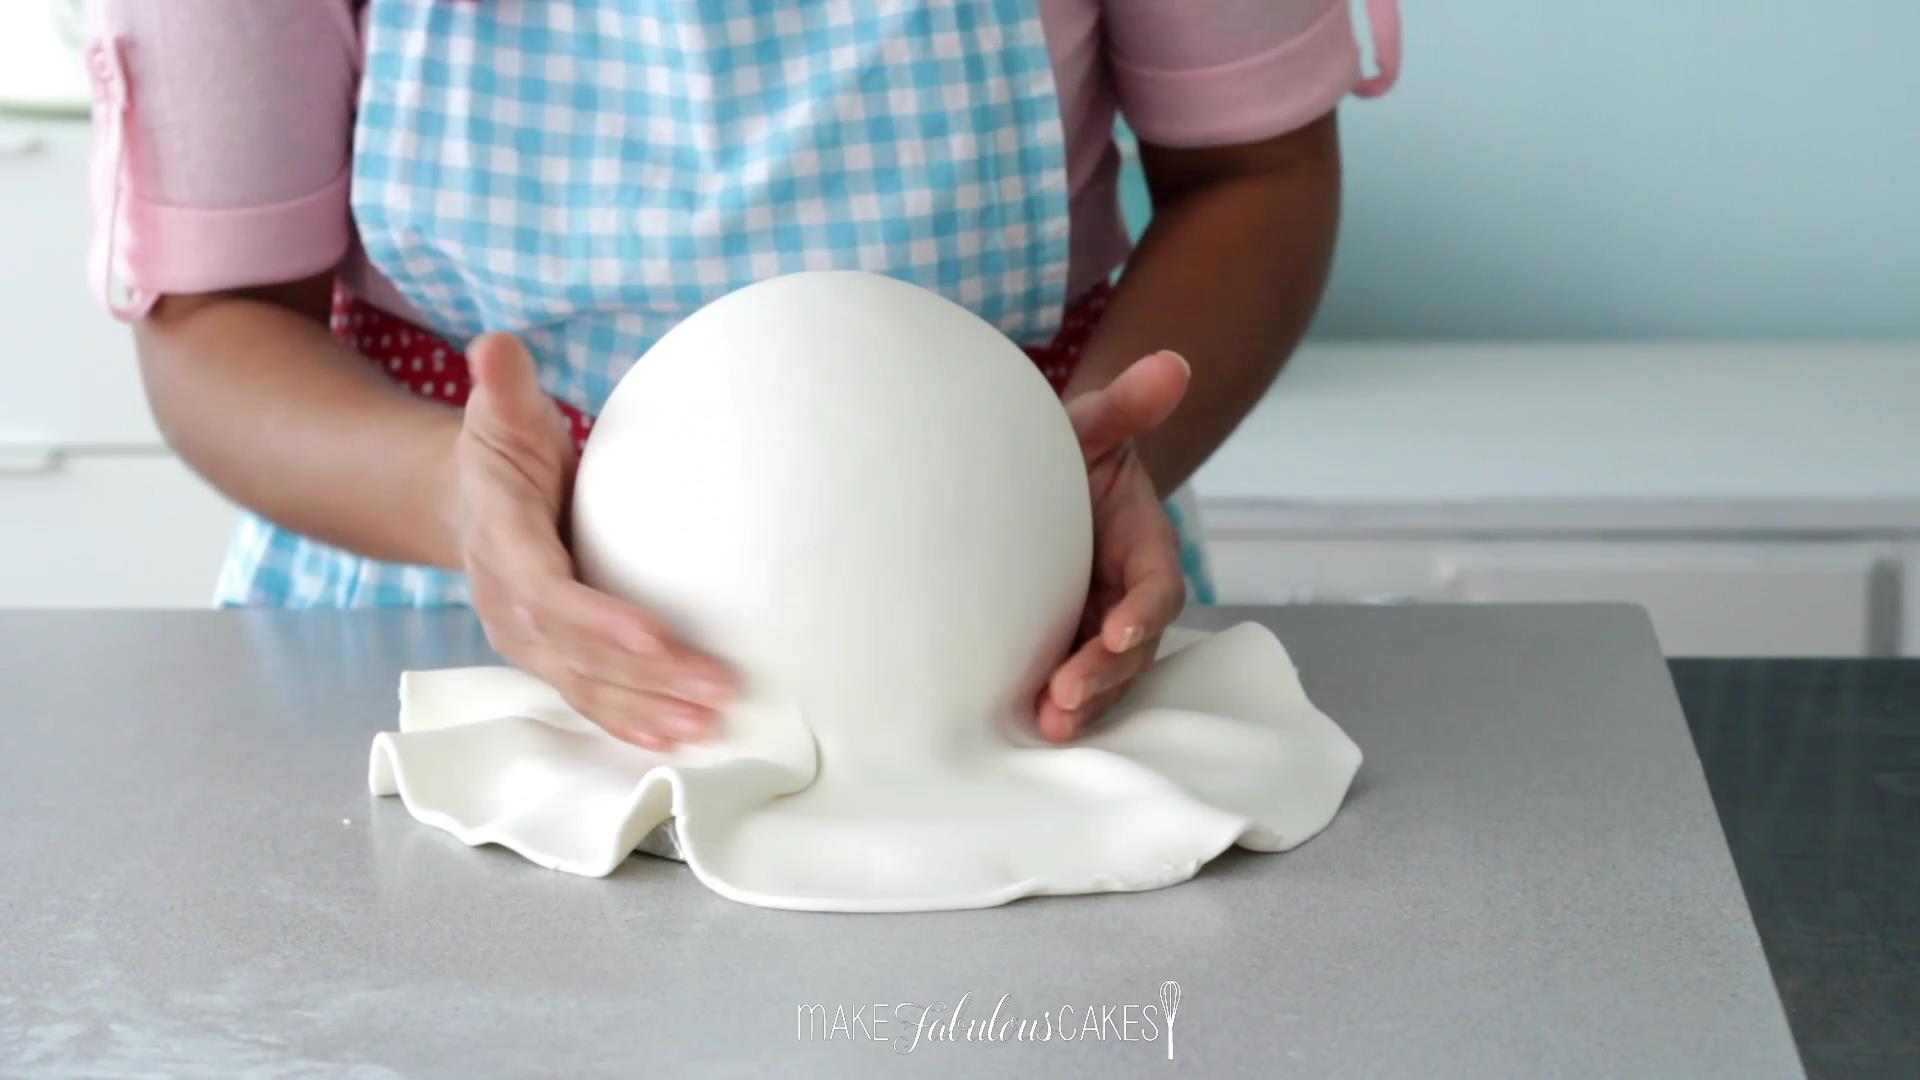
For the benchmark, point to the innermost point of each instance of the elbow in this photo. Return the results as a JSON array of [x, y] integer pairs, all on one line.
[[160, 352]]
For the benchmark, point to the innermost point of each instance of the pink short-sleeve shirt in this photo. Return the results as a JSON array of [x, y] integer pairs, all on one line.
[[224, 130]]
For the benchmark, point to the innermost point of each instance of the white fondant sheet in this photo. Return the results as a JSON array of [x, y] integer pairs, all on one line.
[[1217, 744]]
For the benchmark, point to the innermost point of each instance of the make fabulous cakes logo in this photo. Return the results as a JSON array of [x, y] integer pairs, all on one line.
[[909, 1026]]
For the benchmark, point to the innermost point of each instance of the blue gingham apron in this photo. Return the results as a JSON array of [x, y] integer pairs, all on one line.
[[586, 174]]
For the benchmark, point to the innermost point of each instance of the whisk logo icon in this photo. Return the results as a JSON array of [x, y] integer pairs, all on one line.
[[1169, 1005]]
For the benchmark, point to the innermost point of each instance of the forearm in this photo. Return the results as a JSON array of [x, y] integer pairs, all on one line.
[[1228, 274], [255, 394]]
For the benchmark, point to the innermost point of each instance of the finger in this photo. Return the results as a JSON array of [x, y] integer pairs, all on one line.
[[645, 738], [595, 701], [635, 716], [581, 619], [1156, 590], [1059, 725], [1068, 686], [1055, 723], [568, 610], [638, 736], [1138, 400], [1092, 670], [667, 677], [644, 719], [507, 401]]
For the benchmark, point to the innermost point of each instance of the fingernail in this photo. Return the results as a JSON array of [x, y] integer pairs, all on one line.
[[1069, 695], [687, 723], [1183, 360], [1131, 636], [639, 642], [705, 691]]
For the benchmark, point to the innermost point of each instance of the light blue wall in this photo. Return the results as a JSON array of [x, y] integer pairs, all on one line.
[[1636, 169]]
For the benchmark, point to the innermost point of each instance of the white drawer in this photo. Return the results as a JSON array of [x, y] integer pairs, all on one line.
[[1253, 569], [1706, 598], [1909, 605], [131, 530], [67, 375]]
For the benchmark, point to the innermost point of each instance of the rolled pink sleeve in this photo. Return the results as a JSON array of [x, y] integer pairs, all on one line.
[[1213, 72], [221, 140]]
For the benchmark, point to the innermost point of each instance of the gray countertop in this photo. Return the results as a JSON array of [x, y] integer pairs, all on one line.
[[1529, 879]]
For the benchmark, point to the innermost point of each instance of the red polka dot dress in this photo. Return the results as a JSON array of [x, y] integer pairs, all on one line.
[[427, 364]]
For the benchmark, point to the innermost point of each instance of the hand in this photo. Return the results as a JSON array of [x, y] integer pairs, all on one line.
[[514, 465], [1137, 587]]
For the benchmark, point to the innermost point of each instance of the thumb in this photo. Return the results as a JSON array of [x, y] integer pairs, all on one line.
[[1138, 400], [507, 401]]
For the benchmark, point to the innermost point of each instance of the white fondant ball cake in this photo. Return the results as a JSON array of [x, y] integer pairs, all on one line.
[[856, 491], [869, 502]]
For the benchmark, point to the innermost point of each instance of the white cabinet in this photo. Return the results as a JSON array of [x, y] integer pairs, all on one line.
[[93, 510], [1705, 597], [1758, 500], [1753, 599], [67, 377], [1905, 611], [111, 530]]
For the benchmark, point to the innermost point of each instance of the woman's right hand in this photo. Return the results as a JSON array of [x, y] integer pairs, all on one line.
[[513, 466]]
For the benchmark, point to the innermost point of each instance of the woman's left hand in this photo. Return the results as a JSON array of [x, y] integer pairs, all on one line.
[[1137, 587]]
